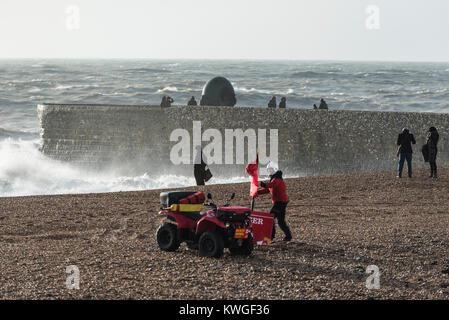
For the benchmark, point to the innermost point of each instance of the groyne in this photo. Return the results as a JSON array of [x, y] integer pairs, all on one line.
[[137, 137]]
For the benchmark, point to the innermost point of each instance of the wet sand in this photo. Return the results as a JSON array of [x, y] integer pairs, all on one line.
[[341, 224]]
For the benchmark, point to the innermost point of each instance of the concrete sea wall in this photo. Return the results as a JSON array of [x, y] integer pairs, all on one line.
[[137, 138]]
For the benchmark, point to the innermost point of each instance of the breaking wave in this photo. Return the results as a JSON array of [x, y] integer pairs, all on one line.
[[24, 171], [175, 89], [262, 91], [167, 89], [5, 133]]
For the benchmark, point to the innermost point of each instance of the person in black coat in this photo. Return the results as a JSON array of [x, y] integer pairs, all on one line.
[[323, 105], [192, 102], [166, 101], [283, 103], [272, 102], [432, 141], [199, 167], [405, 141]]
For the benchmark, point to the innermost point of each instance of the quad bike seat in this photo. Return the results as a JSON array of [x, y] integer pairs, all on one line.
[[181, 198], [173, 197]]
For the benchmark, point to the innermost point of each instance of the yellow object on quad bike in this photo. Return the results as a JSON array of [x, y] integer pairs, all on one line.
[[186, 207]]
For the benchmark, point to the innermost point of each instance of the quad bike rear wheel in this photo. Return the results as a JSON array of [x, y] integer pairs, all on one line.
[[211, 244], [167, 237], [245, 249]]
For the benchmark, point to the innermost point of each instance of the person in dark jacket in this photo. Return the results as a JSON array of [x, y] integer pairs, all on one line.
[[432, 142], [405, 141], [199, 167], [166, 101], [283, 103], [192, 102], [278, 190], [272, 102], [323, 105]]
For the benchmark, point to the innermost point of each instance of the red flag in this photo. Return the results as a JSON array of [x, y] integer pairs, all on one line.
[[252, 169]]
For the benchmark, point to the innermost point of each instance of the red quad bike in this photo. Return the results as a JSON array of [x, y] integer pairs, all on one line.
[[213, 228]]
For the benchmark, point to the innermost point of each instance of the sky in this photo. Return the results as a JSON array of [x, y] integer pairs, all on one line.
[[362, 30]]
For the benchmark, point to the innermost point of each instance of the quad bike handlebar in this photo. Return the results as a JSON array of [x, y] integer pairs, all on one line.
[[213, 205]]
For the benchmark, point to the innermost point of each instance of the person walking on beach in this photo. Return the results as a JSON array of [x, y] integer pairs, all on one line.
[[272, 103], [192, 102], [283, 103], [432, 141], [323, 105], [278, 190], [405, 141]]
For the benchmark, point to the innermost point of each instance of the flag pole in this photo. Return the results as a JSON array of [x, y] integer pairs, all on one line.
[[253, 201]]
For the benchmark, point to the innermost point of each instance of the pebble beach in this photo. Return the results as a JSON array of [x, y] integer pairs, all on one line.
[[341, 224]]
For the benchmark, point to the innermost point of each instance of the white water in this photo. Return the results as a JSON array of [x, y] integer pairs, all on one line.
[[24, 170]]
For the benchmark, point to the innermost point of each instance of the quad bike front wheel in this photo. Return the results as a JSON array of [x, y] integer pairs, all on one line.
[[245, 249], [167, 238], [211, 244]]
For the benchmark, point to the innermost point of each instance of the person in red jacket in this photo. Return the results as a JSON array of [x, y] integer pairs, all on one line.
[[278, 190]]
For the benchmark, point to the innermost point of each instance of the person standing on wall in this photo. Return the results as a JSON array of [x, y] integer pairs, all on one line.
[[432, 141], [283, 103], [404, 153], [278, 190], [166, 102], [272, 102], [192, 102], [323, 105]]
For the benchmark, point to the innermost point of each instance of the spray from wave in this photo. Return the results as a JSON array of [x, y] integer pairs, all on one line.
[[24, 171]]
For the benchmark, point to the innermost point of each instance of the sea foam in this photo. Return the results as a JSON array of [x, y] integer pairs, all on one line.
[[25, 171]]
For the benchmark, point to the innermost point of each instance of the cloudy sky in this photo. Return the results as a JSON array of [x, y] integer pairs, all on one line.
[[398, 30]]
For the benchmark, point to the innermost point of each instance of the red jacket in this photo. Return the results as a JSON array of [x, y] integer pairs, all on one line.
[[276, 187]]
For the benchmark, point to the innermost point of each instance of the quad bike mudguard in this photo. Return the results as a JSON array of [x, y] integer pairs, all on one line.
[[209, 222], [183, 221]]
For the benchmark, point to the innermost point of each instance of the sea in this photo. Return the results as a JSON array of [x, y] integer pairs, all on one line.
[[24, 170]]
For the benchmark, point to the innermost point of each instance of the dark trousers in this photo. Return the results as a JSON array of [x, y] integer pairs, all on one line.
[[402, 158], [433, 163], [278, 210], [433, 169]]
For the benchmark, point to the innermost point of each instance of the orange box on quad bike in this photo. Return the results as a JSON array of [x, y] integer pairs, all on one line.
[[262, 225]]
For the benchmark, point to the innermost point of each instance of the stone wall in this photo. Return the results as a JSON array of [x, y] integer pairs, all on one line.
[[137, 138]]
